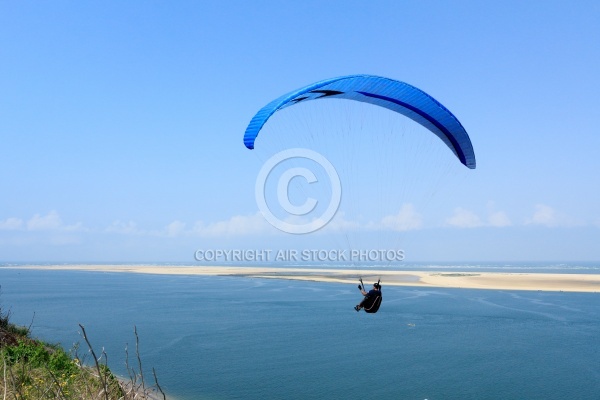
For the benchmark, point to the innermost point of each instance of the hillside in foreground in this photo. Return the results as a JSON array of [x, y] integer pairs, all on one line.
[[33, 369]]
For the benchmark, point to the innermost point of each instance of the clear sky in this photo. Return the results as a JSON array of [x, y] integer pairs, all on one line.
[[121, 123]]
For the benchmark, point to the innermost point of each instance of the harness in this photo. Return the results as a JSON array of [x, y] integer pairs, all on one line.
[[373, 305]]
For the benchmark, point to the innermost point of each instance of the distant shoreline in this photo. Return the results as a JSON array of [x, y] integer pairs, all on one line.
[[429, 279]]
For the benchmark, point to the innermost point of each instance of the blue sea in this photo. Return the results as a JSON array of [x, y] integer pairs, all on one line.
[[241, 338]]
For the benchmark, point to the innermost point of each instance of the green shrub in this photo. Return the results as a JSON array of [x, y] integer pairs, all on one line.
[[32, 369]]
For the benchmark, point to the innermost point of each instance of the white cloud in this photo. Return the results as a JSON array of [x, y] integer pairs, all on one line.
[[42, 223], [464, 219], [175, 228], [499, 219], [339, 223], [11, 224], [405, 220], [125, 228], [50, 222], [547, 216], [237, 225], [543, 215]]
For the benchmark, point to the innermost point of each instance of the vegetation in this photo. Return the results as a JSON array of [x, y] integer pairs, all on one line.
[[31, 369]]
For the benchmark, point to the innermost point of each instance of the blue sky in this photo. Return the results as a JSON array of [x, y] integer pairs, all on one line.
[[122, 122]]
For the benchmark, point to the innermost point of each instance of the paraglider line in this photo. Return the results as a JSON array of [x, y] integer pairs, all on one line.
[[428, 117]]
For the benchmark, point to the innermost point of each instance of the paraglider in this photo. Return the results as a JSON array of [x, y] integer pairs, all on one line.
[[397, 96], [372, 300]]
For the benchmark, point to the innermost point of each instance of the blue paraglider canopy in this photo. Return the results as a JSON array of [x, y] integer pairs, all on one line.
[[394, 95]]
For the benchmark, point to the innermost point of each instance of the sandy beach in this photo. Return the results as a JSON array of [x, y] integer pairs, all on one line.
[[466, 280]]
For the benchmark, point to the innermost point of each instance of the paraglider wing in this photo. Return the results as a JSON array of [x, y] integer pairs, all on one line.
[[391, 94]]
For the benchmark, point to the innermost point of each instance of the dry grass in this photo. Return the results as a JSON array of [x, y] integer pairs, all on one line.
[[31, 369]]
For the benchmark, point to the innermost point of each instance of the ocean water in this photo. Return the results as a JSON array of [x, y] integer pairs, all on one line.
[[240, 338]]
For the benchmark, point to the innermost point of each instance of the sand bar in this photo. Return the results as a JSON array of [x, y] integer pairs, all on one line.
[[425, 279]]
